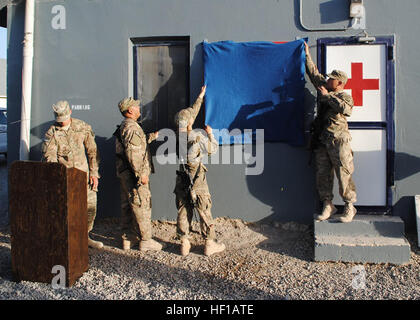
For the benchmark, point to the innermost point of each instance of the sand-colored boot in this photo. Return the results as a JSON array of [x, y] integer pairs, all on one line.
[[349, 213], [95, 244], [129, 241], [185, 247], [126, 244], [146, 245], [328, 210], [212, 247]]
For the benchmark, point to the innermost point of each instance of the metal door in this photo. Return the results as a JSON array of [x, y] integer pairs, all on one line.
[[370, 69], [161, 80]]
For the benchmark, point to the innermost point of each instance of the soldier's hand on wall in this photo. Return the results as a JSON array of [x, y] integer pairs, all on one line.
[[94, 182], [203, 92], [208, 129], [144, 179], [306, 49]]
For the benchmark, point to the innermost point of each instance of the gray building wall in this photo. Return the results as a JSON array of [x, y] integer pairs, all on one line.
[[89, 63], [3, 64]]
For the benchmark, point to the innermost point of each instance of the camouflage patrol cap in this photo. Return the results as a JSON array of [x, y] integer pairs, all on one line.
[[126, 103], [61, 111], [182, 118], [338, 75]]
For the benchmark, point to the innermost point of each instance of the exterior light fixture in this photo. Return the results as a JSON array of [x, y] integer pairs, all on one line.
[[358, 13]]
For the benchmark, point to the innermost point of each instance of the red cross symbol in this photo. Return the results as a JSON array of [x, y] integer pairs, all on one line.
[[357, 84]]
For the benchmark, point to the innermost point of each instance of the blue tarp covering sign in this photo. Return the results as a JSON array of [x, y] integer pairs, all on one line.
[[255, 85]]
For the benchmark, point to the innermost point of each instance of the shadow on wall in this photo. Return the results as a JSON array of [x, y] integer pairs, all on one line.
[[332, 11], [405, 208], [406, 165], [283, 121], [287, 183]]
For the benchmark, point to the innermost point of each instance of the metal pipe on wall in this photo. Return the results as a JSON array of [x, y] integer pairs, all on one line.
[[28, 53]]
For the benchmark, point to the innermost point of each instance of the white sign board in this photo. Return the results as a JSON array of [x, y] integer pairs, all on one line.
[[369, 148], [366, 70]]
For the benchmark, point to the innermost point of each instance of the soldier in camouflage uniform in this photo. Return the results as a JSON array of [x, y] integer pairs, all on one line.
[[331, 140], [134, 165], [191, 187], [67, 142]]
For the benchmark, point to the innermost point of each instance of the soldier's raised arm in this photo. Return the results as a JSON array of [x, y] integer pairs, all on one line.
[[195, 109], [316, 78], [49, 147]]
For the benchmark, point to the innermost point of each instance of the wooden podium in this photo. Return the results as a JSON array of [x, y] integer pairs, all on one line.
[[48, 221]]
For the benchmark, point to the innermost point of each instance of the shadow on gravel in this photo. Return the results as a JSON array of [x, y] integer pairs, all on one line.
[[174, 282], [108, 233], [5, 255], [5, 264], [3, 192], [290, 239], [188, 277]]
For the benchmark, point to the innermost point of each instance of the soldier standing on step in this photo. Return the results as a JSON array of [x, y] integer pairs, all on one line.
[[331, 140]]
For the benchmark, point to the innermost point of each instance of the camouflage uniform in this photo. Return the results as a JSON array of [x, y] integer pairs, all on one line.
[[69, 146], [134, 161], [198, 144], [333, 151]]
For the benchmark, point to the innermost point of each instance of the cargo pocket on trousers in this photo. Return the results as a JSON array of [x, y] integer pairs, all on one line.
[[134, 198], [204, 202], [145, 198], [346, 157]]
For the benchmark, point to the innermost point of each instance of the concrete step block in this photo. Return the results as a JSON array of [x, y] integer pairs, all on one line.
[[362, 249], [362, 225]]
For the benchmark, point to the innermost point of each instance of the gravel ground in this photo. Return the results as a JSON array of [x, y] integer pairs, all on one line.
[[261, 262]]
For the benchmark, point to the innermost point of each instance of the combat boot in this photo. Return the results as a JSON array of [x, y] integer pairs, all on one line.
[[185, 247], [349, 213], [95, 244], [328, 210], [146, 245], [212, 247], [128, 242]]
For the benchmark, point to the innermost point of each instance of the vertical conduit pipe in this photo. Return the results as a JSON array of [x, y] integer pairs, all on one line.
[[28, 53]]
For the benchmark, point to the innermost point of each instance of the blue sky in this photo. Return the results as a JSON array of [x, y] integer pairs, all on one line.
[[3, 43]]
